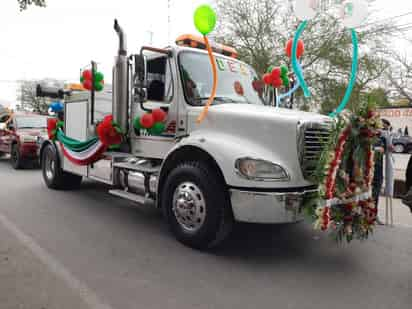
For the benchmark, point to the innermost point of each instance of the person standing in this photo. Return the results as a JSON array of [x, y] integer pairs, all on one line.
[[407, 198], [380, 148]]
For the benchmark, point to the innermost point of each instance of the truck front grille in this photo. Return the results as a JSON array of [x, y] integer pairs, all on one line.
[[312, 139]]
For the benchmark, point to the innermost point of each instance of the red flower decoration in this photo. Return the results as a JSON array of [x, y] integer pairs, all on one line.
[[107, 133]]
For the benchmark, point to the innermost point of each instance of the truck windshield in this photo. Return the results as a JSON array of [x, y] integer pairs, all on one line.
[[31, 122], [235, 80]]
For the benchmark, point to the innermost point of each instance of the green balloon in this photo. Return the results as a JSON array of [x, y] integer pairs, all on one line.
[[285, 81], [284, 70], [157, 128], [136, 123], [270, 68], [98, 86], [205, 19], [98, 77], [81, 79]]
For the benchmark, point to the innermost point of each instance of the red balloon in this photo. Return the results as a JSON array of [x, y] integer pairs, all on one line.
[[299, 50], [275, 73], [277, 83], [87, 84], [87, 75], [147, 121], [159, 115], [267, 79]]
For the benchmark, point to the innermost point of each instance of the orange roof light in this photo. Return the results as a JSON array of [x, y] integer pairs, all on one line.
[[196, 41], [75, 87]]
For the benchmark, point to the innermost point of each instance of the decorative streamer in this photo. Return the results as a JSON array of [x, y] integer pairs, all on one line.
[[352, 80], [214, 87], [296, 68]]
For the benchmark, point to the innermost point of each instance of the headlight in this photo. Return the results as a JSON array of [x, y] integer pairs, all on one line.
[[256, 169], [28, 139]]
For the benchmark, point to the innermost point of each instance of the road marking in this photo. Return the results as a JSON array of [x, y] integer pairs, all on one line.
[[87, 295]]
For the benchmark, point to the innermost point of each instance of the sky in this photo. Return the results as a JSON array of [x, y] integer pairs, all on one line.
[[56, 42]]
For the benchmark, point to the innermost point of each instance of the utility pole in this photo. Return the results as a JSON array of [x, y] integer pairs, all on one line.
[[168, 21]]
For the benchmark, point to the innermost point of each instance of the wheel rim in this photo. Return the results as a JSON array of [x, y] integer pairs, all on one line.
[[49, 166], [189, 207], [398, 148]]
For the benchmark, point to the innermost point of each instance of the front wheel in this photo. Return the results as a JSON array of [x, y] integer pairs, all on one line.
[[53, 174], [197, 206], [15, 157]]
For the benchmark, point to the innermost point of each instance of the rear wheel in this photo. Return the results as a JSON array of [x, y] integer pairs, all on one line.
[[16, 160], [53, 174], [197, 205]]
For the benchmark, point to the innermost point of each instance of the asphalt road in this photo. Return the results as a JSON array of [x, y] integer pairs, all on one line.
[[126, 257]]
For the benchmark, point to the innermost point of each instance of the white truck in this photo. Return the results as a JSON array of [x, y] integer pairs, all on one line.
[[244, 162]]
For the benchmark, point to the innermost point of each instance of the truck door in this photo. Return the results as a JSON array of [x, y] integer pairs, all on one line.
[[161, 93]]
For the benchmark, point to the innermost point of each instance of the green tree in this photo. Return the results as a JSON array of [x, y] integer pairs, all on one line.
[[259, 30], [25, 3]]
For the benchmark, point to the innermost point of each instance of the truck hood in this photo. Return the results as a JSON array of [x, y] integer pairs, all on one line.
[[263, 132]]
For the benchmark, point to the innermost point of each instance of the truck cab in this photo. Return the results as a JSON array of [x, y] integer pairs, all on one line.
[[245, 161]]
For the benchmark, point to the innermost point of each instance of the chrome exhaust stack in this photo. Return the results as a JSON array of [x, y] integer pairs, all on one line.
[[120, 108]]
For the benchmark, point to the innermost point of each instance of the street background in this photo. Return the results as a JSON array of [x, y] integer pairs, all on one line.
[[87, 249]]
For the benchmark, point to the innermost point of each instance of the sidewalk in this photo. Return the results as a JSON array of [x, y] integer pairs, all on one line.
[[401, 213], [27, 283]]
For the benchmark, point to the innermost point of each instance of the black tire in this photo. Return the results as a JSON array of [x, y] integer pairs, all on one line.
[[399, 148], [16, 160], [53, 175], [218, 218]]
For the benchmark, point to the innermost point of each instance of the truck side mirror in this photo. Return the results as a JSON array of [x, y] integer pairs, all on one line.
[[140, 68], [140, 77]]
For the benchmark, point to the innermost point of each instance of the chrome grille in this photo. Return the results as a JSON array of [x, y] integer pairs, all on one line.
[[312, 139]]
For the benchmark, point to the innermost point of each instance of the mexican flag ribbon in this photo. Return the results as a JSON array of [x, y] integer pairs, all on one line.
[[87, 156], [90, 151]]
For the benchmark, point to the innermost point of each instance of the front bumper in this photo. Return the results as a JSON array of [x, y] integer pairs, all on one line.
[[268, 207], [29, 150]]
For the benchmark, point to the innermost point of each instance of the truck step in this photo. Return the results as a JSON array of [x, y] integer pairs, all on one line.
[[132, 197], [137, 167]]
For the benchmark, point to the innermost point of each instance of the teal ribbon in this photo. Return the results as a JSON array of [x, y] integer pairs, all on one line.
[[352, 80], [75, 145], [296, 67]]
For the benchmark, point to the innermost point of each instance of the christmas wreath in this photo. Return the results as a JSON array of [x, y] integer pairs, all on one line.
[[343, 203]]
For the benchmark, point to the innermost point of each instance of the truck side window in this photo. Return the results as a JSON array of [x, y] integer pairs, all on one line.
[[159, 80]]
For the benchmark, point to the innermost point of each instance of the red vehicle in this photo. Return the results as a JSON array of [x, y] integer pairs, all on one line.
[[19, 135]]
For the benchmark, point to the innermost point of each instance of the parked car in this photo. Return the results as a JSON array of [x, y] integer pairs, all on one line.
[[402, 144], [19, 136]]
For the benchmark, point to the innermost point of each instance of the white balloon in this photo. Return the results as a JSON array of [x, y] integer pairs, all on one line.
[[354, 13], [306, 9]]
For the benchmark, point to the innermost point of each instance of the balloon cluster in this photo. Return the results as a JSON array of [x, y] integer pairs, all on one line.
[[87, 77], [277, 76], [109, 132], [153, 122]]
